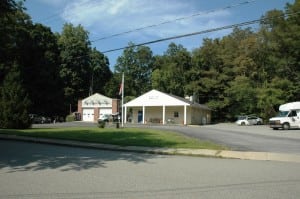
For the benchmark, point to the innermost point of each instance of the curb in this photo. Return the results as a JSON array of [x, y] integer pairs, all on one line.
[[266, 156]]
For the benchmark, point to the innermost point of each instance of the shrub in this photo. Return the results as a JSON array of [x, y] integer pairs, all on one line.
[[101, 124], [70, 118]]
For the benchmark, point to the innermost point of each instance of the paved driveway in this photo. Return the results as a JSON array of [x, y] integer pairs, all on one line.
[[245, 138]]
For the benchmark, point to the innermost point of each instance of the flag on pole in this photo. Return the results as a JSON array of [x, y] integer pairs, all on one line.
[[121, 89]]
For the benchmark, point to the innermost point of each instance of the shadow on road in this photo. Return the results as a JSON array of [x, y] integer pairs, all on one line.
[[22, 156]]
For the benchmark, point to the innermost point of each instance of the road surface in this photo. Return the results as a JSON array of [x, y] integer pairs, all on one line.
[[31, 170], [259, 138], [245, 138]]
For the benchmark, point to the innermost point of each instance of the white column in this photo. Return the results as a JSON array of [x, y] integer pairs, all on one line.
[[164, 114], [143, 114], [125, 114], [184, 120]]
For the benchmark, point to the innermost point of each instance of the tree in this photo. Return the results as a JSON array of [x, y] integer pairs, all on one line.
[[170, 70], [101, 74], [75, 68], [13, 31], [40, 71], [242, 96], [14, 103], [136, 63]]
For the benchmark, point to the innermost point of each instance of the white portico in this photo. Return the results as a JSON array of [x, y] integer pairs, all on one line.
[[158, 107]]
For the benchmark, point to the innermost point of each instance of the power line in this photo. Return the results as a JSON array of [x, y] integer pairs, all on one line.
[[174, 20], [202, 32]]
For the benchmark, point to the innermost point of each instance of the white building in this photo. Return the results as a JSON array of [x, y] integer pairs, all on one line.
[[95, 105], [158, 107]]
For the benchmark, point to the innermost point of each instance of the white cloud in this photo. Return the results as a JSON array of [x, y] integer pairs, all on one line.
[[56, 3], [114, 16]]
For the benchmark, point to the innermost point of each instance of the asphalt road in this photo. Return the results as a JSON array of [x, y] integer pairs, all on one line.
[[245, 138], [31, 170]]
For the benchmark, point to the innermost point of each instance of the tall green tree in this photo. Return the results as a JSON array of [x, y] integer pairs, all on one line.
[[40, 71], [137, 64], [14, 23], [14, 101], [101, 73], [170, 70], [75, 68]]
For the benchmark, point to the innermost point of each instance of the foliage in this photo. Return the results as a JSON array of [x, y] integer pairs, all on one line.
[[75, 70], [70, 118], [14, 102], [101, 74], [170, 70], [101, 123], [136, 63], [244, 72]]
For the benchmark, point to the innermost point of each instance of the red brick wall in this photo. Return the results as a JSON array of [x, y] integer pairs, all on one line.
[[96, 114], [79, 108], [115, 106]]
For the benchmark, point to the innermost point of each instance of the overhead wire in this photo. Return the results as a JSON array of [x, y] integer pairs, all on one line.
[[202, 32], [174, 20]]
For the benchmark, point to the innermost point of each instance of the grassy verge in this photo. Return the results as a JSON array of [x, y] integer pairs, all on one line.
[[122, 137]]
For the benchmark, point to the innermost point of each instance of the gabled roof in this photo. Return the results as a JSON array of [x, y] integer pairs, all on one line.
[[158, 98], [97, 99]]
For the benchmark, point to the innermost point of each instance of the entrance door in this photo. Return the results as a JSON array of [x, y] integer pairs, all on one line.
[[140, 116], [88, 115], [294, 117]]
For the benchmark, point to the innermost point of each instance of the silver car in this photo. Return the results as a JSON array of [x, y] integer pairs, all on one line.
[[249, 120]]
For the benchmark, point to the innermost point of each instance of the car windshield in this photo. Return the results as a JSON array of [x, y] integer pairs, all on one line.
[[282, 113], [242, 117]]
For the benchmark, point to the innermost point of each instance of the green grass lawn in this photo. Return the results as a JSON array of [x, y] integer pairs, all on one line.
[[122, 137]]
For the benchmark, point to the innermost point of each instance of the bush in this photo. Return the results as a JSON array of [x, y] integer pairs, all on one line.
[[70, 118], [101, 124]]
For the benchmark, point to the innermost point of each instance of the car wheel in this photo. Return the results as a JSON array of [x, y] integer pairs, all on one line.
[[259, 123], [243, 123], [286, 126]]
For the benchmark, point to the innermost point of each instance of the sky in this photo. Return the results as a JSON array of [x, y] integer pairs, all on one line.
[[156, 19]]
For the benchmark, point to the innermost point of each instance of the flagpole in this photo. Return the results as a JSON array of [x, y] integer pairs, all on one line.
[[122, 99]]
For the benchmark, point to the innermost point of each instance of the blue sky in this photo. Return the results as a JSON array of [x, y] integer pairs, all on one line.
[[103, 18]]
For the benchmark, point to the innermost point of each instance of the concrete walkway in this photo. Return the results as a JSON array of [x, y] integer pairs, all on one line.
[[165, 151]]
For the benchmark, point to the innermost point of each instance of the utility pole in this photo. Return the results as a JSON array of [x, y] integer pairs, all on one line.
[[122, 99]]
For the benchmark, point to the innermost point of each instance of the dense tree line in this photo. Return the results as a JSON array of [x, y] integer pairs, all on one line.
[[244, 72], [42, 72]]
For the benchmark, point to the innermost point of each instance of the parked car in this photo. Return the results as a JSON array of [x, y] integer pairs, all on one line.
[[104, 117], [249, 120], [37, 119]]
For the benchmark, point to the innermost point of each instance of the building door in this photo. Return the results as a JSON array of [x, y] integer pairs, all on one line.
[[88, 115], [140, 116]]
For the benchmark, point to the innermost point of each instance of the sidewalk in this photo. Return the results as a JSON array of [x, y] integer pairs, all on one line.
[[164, 151]]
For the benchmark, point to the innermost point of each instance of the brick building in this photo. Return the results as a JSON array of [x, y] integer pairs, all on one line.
[[95, 105]]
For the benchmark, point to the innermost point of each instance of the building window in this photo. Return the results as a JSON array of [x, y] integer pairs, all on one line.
[[176, 114]]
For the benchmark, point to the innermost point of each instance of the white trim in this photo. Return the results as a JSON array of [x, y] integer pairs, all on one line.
[[143, 115], [125, 116], [164, 114], [185, 113]]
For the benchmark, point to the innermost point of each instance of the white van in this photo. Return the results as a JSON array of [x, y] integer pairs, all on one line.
[[288, 116]]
